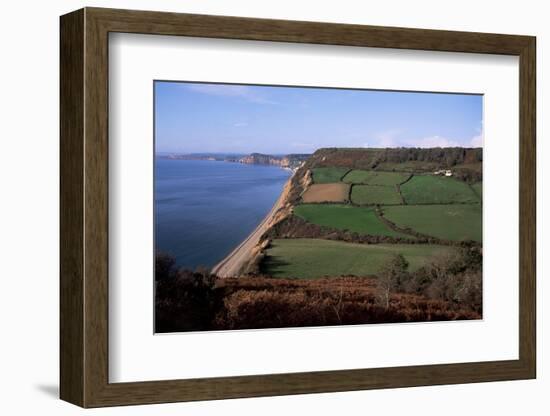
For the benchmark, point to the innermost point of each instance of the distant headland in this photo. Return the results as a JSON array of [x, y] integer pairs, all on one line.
[[290, 161]]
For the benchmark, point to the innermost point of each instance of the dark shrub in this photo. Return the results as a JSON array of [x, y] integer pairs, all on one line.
[[164, 266], [184, 300]]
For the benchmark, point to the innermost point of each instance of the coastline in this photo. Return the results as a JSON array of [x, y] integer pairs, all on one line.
[[240, 256]]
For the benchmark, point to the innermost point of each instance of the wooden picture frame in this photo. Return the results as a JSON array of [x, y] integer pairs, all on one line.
[[84, 207]]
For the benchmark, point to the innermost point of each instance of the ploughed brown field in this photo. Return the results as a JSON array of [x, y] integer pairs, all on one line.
[[326, 192]]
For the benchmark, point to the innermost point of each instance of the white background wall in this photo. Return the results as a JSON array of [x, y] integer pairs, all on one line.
[[29, 206]]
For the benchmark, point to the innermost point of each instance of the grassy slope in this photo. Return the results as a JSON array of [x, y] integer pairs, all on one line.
[[344, 217], [410, 166], [429, 189], [375, 178], [359, 176], [311, 258], [328, 175], [478, 189], [366, 194], [453, 222]]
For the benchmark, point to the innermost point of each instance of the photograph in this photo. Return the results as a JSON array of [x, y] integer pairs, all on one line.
[[275, 204], [298, 206]]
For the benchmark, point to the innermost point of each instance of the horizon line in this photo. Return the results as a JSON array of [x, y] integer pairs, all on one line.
[[308, 153]]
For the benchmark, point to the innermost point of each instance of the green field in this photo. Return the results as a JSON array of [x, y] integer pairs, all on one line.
[[451, 222], [359, 176], [372, 177], [388, 178], [312, 258], [367, 194], [328, 175], [409, 166], [478, 189], [430, 189], [362, 220]]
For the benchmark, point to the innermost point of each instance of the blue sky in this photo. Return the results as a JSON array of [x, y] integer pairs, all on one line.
[[194, 117]]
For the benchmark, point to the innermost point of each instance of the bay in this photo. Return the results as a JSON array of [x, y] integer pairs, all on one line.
[[204, 209]]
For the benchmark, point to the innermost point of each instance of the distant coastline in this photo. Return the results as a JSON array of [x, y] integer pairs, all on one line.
[[291, 162]]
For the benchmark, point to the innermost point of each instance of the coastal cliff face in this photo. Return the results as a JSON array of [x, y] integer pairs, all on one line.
[[261, 159], [291, 161], [292, 192], [252, 265]]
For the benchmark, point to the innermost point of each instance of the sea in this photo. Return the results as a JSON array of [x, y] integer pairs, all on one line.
[[204, 209]]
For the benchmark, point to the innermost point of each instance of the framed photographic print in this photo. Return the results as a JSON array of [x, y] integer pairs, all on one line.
[[255, 207]]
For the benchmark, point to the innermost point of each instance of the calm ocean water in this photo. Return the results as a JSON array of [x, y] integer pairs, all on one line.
[[204, 209]]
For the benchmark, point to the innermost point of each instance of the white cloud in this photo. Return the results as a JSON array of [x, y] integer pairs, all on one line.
[[435, 141], [224, 90], [397, 138], [391, 138], [387, 142], [241, 124], [387, 138], [477, 141]]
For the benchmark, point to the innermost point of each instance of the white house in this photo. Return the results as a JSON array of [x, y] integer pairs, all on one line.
[[446, 172]]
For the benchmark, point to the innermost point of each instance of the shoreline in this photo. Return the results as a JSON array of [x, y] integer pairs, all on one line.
[[233, 263], [274, 165]]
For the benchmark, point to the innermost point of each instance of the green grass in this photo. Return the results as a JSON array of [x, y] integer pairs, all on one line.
[[372, 177], [328, 175], [312, 258], [362, 220], [430, 189], [388, 178], [451, 222], [409, 166], [359, 176], [478, 189], [367, 194]]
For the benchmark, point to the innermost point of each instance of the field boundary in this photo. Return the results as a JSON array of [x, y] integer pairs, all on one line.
[[345, 174], [398, 189], [437, 203], [351, 185], [406, 180], [388, 205], [398, 229], [295, 226]]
